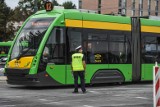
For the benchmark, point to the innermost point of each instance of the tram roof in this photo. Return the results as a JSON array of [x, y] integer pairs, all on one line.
[[79, 15]]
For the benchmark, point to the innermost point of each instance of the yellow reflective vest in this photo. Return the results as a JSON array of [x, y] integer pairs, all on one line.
[[77, 63]]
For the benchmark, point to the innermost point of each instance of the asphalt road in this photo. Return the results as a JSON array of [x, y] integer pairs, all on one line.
[[1, 70], [106, 95]]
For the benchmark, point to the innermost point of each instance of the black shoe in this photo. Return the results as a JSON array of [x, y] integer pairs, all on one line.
[[75, 92], [84, 92]]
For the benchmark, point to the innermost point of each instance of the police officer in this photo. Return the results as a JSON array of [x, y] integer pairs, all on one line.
[[78, 69]]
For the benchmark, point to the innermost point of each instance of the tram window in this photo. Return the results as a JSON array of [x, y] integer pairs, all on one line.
[[75, 39], [150, 49], [118, 49], [55, 47], [97, 36], [97, 51], [158, 42]]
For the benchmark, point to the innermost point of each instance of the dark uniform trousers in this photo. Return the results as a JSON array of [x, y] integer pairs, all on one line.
[[80, 74]]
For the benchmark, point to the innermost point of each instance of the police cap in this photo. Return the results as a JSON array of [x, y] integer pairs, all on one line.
[[79, 47]]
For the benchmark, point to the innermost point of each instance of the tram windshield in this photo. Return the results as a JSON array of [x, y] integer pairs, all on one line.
[[30, 37]]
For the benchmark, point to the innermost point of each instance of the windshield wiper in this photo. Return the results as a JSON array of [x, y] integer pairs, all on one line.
[[25, 51]]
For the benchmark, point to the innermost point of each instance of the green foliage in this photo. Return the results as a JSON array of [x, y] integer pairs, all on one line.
[[18, 15], [9, 17], [2, 1], [69, 5], [55, 3], [5, 17], [31, 5]]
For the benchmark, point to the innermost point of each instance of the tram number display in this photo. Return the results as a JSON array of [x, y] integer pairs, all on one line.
[[48, 6]]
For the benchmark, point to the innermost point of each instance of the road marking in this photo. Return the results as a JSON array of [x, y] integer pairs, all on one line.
[[120, 88], [119, 95], [95, 92], [87, 106], [59, 103], [4, 101], [9, 105], [43, 99], [18, 96], [142, 98]]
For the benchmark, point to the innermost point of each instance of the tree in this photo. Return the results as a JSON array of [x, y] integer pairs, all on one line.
[[18, 15], [33, 4], [69, 5], [55, 3], [5, 17], [8, 17]]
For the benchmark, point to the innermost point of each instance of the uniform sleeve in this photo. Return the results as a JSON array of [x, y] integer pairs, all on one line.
[[83, 59]]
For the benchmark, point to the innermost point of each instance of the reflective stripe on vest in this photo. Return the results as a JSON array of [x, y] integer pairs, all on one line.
[[77, 62]]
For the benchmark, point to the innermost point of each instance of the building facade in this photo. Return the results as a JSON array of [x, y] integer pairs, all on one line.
[[123, 7]]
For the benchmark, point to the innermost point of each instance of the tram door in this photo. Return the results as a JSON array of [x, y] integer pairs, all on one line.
[[54, 55], [74, 39], [150, 54]]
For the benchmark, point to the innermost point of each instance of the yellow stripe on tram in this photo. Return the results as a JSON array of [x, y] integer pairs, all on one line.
[[151, 29], [73, 23], [98, 25]]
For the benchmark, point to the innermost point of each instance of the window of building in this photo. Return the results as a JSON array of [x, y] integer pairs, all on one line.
[[120, 4]]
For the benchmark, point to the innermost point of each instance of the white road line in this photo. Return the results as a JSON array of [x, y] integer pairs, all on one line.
[[87, 106], [4, 101], [18, 96], [142, 97], [14, 96], [95, 92], [8, 106], [119, 95], [59, 103], [117, 88], [45, 100]]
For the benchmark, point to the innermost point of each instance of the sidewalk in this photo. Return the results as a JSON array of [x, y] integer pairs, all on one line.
[[3, 78]]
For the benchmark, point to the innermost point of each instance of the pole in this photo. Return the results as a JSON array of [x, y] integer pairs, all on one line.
[[156, 85], [35, 6], [99, 6]]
